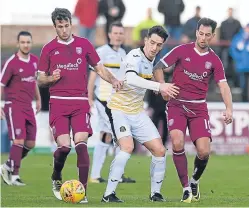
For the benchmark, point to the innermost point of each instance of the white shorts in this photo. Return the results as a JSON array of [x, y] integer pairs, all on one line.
[[103, 119], [139, 126]]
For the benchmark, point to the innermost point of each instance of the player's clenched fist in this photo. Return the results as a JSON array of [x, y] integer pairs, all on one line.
[[117, 85], [228, 116], [167, 89], [56, 75]]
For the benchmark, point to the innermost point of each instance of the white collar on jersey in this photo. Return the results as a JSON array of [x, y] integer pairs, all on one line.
[[199, 53], [64, 42], [24, 60]]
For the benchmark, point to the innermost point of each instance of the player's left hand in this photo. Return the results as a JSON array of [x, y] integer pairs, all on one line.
[[228, 116], [117, 85], [38, 106]]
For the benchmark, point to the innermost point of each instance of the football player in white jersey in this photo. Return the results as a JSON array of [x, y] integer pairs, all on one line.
[[111, 56], [129, 119]]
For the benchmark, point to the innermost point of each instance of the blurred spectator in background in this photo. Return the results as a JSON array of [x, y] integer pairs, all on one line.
[[228, 29], [140, 31], [87, 12], [189, 28], [172, 9], [113, 10], [240, 53]]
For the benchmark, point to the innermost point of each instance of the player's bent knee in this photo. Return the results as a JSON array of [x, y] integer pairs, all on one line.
[[160, 151], [81, 137], [29, 144], [177, 144], [18, 142], [127, 148], [63, 140], [203, 154]]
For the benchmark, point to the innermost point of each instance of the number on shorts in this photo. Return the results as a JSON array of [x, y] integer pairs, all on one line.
[[207, 124]]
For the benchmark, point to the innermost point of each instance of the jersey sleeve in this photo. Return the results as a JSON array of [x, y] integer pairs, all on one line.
[[44, 62], [171, 57], [219, 72], [100, 53], [6, 72], [91, 55], [132, 63]]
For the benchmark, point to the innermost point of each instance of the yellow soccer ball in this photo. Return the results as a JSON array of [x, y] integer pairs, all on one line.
[[72, 191]]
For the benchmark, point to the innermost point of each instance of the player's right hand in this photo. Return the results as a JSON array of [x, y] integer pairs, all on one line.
[[56, 75], [91, 102], [117, 85], [168, 89], [2, 114]]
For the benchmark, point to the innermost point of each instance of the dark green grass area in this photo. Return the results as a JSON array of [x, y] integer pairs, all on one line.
[[225, 184]]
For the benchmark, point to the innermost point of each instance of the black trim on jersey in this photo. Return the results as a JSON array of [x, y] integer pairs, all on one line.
[[142, 49], [112, 47], [109, 114], [131, 71]]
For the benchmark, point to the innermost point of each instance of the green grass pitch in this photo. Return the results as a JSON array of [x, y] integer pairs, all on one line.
[[224, 184]]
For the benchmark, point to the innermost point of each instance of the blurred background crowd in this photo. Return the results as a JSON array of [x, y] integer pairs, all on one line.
[[231, 42]]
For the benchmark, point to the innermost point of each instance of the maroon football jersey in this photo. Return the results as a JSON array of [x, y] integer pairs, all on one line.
[[193, 70]]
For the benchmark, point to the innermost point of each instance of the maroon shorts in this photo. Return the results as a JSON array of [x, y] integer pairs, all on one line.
[[181, 115], [63, 117], [21, 122]]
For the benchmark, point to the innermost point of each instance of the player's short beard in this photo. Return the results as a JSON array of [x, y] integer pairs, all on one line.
[[24, 53], [202, 47]]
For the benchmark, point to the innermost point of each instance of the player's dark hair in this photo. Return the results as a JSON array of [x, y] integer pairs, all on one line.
[[115, 24], [23, 33], [207, 22], [61, 14], [158, 30]]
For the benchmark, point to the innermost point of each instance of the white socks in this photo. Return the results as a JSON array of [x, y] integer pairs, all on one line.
[[157, 172], [99, 156], [116, 171]]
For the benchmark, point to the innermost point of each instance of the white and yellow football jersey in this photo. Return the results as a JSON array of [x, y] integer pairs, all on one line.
[[130, 98], [111, 59]]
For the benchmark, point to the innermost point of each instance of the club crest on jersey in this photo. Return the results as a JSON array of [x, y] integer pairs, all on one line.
[[79, 50], [122, 129], [21, 70], [208, 65]]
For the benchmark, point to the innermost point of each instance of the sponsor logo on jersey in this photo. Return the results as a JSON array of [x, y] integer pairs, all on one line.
[[70, 66], [28, 79], [195, 76]]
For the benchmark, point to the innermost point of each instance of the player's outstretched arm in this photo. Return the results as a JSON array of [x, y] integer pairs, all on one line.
[[44, 79], [107, 76], [164, 88], [90, 87], [227, 98]]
